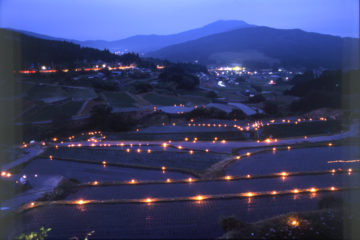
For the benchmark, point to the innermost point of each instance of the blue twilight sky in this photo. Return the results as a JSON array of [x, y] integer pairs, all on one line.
[[116, 19]]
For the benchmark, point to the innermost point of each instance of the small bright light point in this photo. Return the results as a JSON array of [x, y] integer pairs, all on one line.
[[80, 202], [288, 147], [333, 170], [148, 200], [228, 177], [274, 192], [313, 190], [32, 204], [103, 162], [133, 181], [248, 176], [206, 150], [190, 179], [180, 147], [168, 180], [238, 157], [95, 183], [294, 223], [330, 144], [295, 191], [349, 170], [199, 198], [191, 152], [248, 154], [163, 168], [223, 141], [284, 174], [149, 150], [274, 149], [332, 188]]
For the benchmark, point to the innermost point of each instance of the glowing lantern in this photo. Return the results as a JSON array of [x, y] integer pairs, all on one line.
[[80, 202], [228, 177], [199, 198]]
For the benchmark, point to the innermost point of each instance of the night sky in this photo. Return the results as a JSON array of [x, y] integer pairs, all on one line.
[[116, 19]]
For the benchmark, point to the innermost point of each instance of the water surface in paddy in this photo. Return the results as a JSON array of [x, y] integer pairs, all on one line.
[[305, 159], [95, 172], [158, 220]]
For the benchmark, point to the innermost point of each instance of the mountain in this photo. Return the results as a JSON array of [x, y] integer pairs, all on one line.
[[146, 43], [20, 50], [265, 46]]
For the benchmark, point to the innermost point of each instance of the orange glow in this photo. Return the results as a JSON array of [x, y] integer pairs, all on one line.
[[128, 150], [284, 174], [228, 177], [274, 149], [186, 139], [248, 176], [148, 200], [149, 150], [330, 144], [268, 140], [248, 154], [3, 173], [313, 190], [32, 204], [349, 170], [138, 150], [95, 183], [133, 181], [238, 157], [199, 198], [295, 191], [168, 180], [103, 163], [80, 202], [333, 170], [206, 150], [288, 147], [8, 175], [274, 192], [333, 189], [163, 168], [223, 141], [51, 157], [249, 194], [294, 223], [190, 179], [191, 152]]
